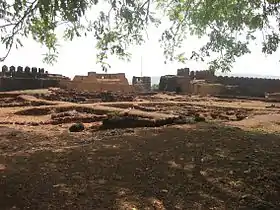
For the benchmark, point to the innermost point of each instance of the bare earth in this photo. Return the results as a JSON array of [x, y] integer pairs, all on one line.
[[231, 161]]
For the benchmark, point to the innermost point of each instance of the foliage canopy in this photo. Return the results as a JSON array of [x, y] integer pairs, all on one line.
[[230, 26]]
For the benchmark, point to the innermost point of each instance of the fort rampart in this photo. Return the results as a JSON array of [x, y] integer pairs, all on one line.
[[12, 78], [249, 86], [245, 86]]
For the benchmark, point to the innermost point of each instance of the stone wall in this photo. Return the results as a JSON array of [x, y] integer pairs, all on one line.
[[179, 83], [21, 72], [205, 89], [185, 72], [12, 78], [94, 82], [142, 84], [256, 87], [168, 83], [173, 83], [206, 75], [10, 84]]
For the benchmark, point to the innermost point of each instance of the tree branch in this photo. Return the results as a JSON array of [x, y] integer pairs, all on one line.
[[17, 27]]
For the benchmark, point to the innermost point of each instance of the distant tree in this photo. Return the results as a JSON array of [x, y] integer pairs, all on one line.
[[229, 24], [155, 87]]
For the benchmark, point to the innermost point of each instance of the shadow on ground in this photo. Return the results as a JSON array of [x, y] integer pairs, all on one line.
[[208, 167]]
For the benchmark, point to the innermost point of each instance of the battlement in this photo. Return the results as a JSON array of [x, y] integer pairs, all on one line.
[[185, 72], [194, 75], [27, 72], [21, 72], [245, 86], [234, 78], [250, 86], [12, 78]]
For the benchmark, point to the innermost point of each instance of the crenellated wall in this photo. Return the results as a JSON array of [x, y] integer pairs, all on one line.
[[176, 83], [183, 72], [202, 75], [256, 87], [249, 86], [21, 72], [12, 78]]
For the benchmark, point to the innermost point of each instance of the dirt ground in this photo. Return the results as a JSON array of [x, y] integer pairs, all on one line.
[[230, 161]]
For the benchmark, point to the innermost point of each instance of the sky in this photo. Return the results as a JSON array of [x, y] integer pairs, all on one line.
[[78, 58]]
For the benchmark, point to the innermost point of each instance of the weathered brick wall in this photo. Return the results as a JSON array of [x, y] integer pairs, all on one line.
[[250, 86], [185, 72], [206, 75], [173, 83], [183, 85], [241, 85], [10, 84], [142, 83], [168, 83], [12, 78], [256, 87], [98, 82], [205, 89], [21, 72], [176, 83]]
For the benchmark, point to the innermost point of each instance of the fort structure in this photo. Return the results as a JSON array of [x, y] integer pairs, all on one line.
[[245, 86], [95, 82], [142, 84], [207, 83], [185, 81], [179, 83], [12, 78]]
